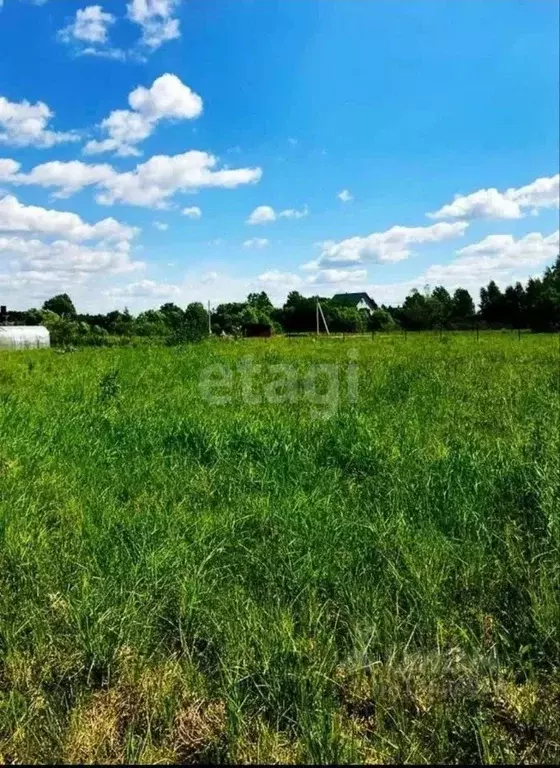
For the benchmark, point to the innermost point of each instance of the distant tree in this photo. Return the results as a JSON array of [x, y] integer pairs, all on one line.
[[229, 318], [299, 312], [514, 306], [344, 319], [381, 320], [492, 304], [63, 330], [32, 317], [415, 312], [173, 315], [119, 323], [440, 307], [61, 305], [543, 300], [260, 301], [295, 299], [150, 323], [196, 322], [462, 310]]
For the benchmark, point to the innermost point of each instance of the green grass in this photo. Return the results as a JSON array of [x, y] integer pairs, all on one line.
[[375, 581]]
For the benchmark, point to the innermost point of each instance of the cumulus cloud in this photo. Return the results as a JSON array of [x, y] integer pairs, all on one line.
[[156, 19], [193, 212], [291, 213], [8, 169], [511, 204], [161, 225], [541, 193], [345, 196], [23, 124], [17, 217], [381, 247], [505, 251], [288, 280], [167, 99], [66, 178], [276, 278], [324, 276], [502, 258], [261, 215], [144, 289], [90, 25], [264, 214], [150, 184], [256, 242], [65, 259], [153, 182]]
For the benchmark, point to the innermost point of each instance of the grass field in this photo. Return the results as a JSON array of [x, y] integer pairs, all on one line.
[[362, 566]]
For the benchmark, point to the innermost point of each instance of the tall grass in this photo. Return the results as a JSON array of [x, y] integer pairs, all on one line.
[[182, 581]]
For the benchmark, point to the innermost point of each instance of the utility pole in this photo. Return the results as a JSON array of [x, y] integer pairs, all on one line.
[[209, 321], [324, 321], [317, 316]]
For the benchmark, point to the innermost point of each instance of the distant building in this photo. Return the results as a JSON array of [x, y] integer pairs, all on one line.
[[356, 301], [24, 337], [262, 330]]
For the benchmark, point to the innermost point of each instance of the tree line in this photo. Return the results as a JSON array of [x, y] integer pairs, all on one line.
[[534, 306]]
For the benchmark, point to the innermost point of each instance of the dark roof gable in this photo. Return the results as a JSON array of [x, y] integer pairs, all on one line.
[[353, 299]]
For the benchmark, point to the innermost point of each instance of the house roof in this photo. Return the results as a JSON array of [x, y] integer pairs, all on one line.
[[354, 298]]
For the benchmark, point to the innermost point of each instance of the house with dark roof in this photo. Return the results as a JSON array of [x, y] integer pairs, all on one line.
[[356, 300]]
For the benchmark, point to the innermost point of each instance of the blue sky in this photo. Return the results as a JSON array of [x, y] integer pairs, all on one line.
[[139, 139]]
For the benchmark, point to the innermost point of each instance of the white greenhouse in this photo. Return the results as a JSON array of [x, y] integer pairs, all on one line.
[[24, 337]]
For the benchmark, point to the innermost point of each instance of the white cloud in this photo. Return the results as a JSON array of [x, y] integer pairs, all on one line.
[[193, 212], [501, 258], [154, 181], [167, 99], [541, 193], [161, 225], [345, 196], [155, 17], [484, 204], [291, 213], [144, 289], [67, 178], [256, 242], [90, 25], [276, 278], [503, 252], [511, 204], [117, 54], [8, 169], [27, 125], [65, 259], [149, 184], [17, 217], [324, 276], [261, 215], [264, 214], [389, 246], [209, 277], [288, 280]]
